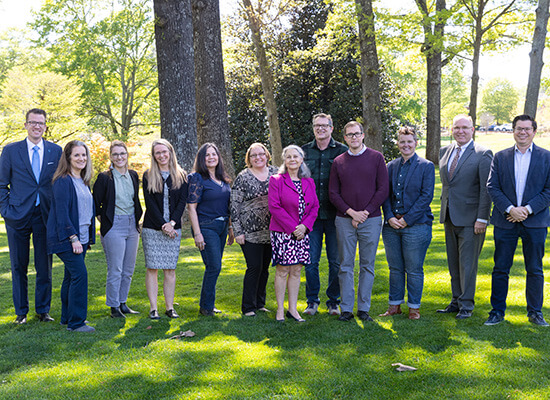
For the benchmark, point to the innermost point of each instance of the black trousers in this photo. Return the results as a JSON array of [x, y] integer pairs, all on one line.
[[258, 258]]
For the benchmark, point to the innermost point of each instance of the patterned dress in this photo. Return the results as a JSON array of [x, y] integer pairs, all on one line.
[[161, 252], [287, 250]]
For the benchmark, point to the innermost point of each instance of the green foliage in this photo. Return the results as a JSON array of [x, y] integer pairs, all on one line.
[[110, 52], [26, 88], [500, 98], [320, 74]]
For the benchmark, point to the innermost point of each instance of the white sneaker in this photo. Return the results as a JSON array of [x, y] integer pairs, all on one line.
[[311, 309], [333, 309]]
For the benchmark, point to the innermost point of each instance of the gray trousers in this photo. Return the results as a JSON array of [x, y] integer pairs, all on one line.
[[367, 236], [120, 245]]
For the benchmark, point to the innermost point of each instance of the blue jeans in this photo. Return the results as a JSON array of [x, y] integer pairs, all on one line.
[[405, 251], [74, 289], [214, 233], [506, 240], [313, 284]]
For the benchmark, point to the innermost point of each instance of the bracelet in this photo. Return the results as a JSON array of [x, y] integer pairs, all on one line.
[[230, 227], [73, 239]]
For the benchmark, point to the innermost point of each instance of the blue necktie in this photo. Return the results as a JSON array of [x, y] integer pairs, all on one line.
[[36, 168]]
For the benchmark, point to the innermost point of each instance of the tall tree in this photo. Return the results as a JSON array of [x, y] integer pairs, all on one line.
[[211, 100], [536, 64], [500, 99], [370, 75], [484, 16], [266, 74], [111, 55], [434, 28], [176, 76]]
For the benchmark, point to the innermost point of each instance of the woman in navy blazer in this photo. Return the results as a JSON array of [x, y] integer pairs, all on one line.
[[118, 209], [407, 230], [71, 230], [293, 205]]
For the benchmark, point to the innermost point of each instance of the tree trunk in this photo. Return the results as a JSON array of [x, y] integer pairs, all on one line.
[[266, 77], [535, 68], [211, 100], [474, 88], [174, 42], [370, 75]]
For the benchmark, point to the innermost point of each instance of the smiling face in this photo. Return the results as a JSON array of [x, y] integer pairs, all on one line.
[[78, 159], [322, 128], [463, 130], [524, 134], [293, 160], [257, 157], [35, 126], [211, 158], [406, 145], [119, 157], [162, 156]]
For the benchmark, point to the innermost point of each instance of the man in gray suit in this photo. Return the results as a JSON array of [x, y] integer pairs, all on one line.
[[465, 206]]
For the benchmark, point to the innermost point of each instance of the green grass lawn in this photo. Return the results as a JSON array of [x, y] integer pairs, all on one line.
[[234, 357]]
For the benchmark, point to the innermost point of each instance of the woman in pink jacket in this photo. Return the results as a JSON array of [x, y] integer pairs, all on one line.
[[293, 205]]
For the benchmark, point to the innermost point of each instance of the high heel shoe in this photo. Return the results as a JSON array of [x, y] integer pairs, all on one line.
[[289, 315]]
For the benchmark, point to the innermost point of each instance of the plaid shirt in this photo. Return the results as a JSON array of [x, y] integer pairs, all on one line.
[[320, 162]]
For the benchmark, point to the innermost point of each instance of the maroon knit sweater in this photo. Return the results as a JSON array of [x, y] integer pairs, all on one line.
[[359, 182]]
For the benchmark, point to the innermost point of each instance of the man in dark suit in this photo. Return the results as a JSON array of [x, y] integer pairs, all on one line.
[[465, 207], [519, 185], [26, 171]]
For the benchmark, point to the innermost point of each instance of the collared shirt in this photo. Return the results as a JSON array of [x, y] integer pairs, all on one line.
[[320, 163], [363, 149], [398, 207], [521, 168], [124, 193], [30, 146], [462, 148]]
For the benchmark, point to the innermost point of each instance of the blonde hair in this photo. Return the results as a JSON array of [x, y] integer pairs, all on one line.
[[118, 143], [247, 156], [64, 166], [154, 177]]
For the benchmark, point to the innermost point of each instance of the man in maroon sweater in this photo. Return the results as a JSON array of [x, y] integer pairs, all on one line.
[[358, 186]]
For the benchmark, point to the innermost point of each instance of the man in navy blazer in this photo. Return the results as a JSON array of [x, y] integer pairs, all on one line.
[[519, 185], [26, 171]]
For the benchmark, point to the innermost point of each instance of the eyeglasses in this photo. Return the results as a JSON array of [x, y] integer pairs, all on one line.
[[319, 126], [526, 130], [257, 155], [462, 128], [121, 155], [36, 123], [353, 135]]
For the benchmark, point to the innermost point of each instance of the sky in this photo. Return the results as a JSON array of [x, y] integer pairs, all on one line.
[[513, 65]]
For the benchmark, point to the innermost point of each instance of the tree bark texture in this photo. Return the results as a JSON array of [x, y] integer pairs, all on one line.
[[174, 43], [432, 48], [536, 64], [211, 99], [370, 76], [266, 76]]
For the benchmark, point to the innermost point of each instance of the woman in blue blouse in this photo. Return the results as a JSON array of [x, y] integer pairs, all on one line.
[[208, 205], [71, 230]]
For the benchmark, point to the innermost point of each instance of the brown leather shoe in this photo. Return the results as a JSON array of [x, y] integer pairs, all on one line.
[[392, 310], [414, 313]]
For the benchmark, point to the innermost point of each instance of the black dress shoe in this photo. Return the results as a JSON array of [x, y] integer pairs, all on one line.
[[44, 317], [449, 310], [289, 315], [127, 310], [20, 319], [116, 313], [207, 313], [346, 316], [363, 315], [172, 313], [463, 314], [153, 314]]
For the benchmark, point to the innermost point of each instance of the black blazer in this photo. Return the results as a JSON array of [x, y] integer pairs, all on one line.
[[177, 199], [104, 199]]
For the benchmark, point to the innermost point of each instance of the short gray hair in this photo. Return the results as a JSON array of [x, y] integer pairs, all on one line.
[[304, 171]]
